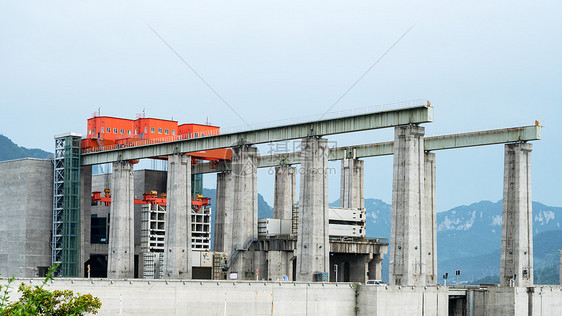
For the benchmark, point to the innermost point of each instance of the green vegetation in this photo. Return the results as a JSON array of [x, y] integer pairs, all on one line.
[[9, 151], [35, 300]]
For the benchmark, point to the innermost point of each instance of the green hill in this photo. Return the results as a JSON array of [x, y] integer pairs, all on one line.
[[10, 151]]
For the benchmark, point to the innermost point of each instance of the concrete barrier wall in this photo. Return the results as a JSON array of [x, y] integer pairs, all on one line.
[[499, 301], [403, 300], [158, 297], [144, 297]]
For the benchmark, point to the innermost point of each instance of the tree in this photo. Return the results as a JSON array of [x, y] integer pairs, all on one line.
[[35, 300]]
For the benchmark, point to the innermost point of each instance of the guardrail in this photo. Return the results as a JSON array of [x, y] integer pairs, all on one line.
[[142, 142]]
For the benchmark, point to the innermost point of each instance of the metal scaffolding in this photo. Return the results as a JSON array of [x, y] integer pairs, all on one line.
[[66, 204]]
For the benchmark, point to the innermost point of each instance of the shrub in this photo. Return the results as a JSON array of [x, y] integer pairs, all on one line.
[[35, 300]]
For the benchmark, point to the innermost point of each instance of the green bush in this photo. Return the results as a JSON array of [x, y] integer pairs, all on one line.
[[35, 300]]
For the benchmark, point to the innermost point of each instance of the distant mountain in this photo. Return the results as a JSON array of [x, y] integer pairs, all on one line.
[[264, 210], [474, 268], [469, 237], [547, 275], [10, 151]]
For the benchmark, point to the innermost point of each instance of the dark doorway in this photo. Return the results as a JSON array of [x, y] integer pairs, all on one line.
[[457, 305], [98, 266], [346, 271]]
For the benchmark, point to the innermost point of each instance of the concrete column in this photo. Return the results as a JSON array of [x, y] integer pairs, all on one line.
[[375, 268], [313, 235], [85, 216], [121, 256], [285, 192], [177, 241], [517, 217], [223, 212], [245, 209], [429, 246], [351, 188], [407, 262], [278, 265], [358, 268]]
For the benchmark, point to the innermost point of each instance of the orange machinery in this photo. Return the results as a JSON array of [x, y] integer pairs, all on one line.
[[114, 132], [149, 198]]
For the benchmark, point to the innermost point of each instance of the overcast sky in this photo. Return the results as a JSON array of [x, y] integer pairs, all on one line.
[[483, 65]]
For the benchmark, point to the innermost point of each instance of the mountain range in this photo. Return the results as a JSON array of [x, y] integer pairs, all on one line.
[[9, 151], [468, 238]]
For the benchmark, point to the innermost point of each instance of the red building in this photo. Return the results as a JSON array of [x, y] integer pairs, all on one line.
[[108, 131]]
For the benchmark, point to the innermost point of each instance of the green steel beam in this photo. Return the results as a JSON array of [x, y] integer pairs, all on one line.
[[483, 138], [498, 136], [346, 124]]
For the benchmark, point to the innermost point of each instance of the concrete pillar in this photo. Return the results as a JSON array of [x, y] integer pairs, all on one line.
[[278, 265], [121, 256], [517, 217], [358, 268], [285, 192], [245, 209], [375, 267], [407, 262], [85, 216], [313, 235], [351, 188], [429, 246], [177, 241], [223, 212]]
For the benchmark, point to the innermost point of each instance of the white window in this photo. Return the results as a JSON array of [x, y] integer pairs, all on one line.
[[166, 131], [152, 129], [129, 132], [173, 132], [159, 131], [145, 130], [109, 129], [196, 134], [114, 131]]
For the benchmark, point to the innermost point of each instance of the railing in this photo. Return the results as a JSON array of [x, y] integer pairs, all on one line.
[[478, 133], [271, 124], [328, 116], [236, 251], [142, 142]]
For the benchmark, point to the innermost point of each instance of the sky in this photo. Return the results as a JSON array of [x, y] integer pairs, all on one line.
[[483, 64]]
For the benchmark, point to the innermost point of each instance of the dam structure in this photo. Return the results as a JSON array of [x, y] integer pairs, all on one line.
[[131, 234]]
